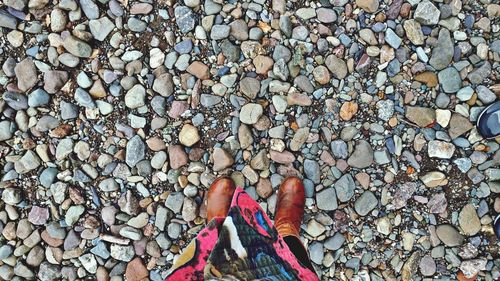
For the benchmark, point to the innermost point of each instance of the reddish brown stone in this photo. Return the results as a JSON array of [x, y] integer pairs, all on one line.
[[136, 270]]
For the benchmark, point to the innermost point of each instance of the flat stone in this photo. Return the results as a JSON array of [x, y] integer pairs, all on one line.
[[73, 214], [469, 220], [442, 53], [365, 203], [362, 157], [421, 116], [136, 270], [344, 188], [449, 235], [250, 87], [38, 215], [450, 80], [426, 13], [54, 80], [314, 228], [219, 32], [326, 15], [7, 20], [135, 151], [177, 156], [312, 170], [370, 6], [77, 47], [299, 138], [459, 125], [327, 199], [184, 18], [414, 32], [250, 113], [188, 136], [337, 66], [90, 9], [440, 149], [335, 242], [199, 70], [135, 97], [427, 266], [222, 159], [26, 74], [262, 64], [434, 179], [100, 28]]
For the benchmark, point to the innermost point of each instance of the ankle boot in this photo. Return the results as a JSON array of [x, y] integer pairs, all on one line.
[[290, 207], [219, 197]]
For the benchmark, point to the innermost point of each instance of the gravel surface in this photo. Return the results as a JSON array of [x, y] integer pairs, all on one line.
[[117, 115]]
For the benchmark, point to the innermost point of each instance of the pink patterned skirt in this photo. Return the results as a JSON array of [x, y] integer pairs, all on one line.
[[242, 246]]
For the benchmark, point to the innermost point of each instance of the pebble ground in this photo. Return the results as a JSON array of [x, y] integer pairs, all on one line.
[[116, 115]]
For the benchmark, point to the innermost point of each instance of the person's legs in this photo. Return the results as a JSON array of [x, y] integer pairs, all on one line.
[[289, 212], [219, 197], [298, 251]]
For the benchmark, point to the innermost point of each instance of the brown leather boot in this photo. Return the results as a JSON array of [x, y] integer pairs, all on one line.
[[290, 207], [219, 197]]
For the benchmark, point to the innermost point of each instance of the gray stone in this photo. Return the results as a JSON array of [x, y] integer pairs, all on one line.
[[5, 130], [327, 199], [426, 13], [73, 214], [449, 235], [442, 53], [337, 66], [344, 188], [312, 170], [335, 242], [16, 101], [26, 74], [362, 156], [100, 28], [385, 109], [164, 85], [90, 9], [77, 47], [450, 80], [365, 203], [485, 95], [7, 20], [135, 151], [68, 110], [185, 18], [122, 252], [250, 113], [174, 201], [136, 25], [135, 97], [392, 38], [219, 32], [478, 75]]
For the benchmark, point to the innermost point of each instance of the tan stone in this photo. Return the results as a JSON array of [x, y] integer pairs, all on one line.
[[189, 135], [199, 69], [348, 110], [262, 64], [136, 270]]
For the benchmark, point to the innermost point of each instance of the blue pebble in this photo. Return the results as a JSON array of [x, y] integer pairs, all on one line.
[[378, 27], [393, 68], [469, 21], [184, 47], [429, 134], [389, 143], [32, 51], [426, 30], [461, 142]]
